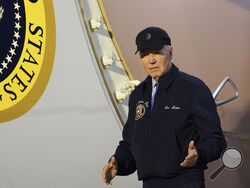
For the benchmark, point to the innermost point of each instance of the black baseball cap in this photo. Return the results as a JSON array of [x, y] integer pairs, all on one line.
[[152, 38]]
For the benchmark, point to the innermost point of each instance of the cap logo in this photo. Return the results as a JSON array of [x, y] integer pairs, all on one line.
[[147, 36]]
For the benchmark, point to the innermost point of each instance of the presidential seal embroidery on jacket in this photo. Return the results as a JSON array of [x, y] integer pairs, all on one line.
[[27, 49], [140, 109]]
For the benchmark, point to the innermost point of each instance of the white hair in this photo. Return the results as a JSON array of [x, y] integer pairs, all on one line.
[[166, 49]]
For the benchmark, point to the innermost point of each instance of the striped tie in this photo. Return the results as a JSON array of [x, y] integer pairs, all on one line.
[[153, 98]]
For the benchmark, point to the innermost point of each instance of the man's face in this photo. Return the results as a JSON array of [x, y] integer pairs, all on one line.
[[157, 62]]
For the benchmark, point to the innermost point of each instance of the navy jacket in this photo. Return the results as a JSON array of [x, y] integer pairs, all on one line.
[[155, 143]]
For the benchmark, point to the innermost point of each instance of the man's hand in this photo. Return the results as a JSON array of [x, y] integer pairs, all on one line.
[[192, 156], [109, 171]]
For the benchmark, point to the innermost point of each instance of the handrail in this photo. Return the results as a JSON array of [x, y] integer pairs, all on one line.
[[240, 136], [219, 88]]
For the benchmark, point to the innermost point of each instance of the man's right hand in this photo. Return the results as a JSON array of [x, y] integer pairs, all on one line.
[[109, 171]]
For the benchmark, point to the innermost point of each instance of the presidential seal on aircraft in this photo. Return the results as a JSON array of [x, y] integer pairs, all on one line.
[[27, 48]]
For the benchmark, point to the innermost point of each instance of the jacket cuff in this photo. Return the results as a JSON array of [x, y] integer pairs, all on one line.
[[202, 158]]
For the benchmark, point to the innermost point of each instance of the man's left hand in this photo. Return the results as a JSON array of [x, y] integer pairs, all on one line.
[[192, 156]]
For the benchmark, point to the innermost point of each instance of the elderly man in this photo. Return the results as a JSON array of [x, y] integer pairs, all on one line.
[[173, 128]]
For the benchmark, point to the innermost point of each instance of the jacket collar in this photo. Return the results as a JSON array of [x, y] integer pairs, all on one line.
[[167, 79], [164, 82]]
